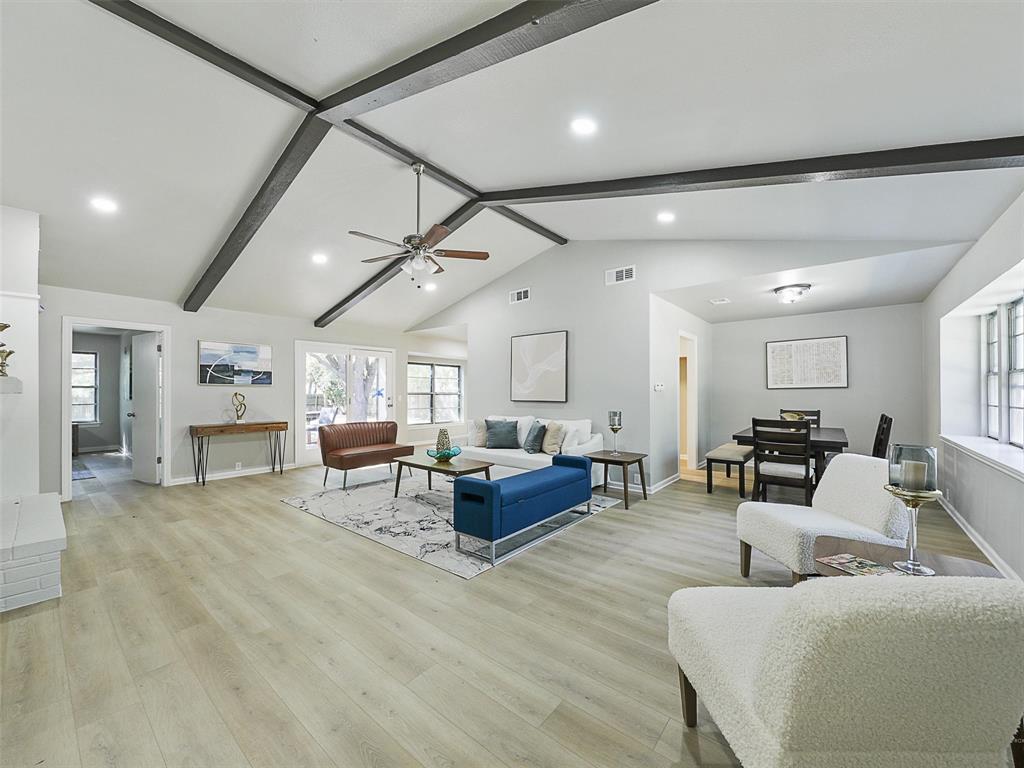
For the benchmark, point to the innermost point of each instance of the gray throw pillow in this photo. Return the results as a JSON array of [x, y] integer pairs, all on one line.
[[501, 434], [535, 438]]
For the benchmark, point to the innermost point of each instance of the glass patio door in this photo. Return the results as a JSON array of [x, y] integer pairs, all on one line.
[[335, 384]]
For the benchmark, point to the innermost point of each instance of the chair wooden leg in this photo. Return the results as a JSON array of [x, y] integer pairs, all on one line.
[[744, 559], [1017, 747], [798, 577], [689, 698], [728, 470], [326, 470], [707, 466], [743, 481]]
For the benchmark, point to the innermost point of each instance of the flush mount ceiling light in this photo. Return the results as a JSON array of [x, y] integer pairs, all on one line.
[[665, 217], [791, 294], [103, 204], [583, 126], [319, 258]]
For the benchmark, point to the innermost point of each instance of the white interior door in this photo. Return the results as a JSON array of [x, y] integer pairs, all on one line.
[[145, 413], [334, 384]]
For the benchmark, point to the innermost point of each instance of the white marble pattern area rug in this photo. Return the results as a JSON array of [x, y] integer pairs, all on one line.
[[418, 523]]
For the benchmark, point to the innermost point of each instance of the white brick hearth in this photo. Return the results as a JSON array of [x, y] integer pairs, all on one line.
[[32, 537]]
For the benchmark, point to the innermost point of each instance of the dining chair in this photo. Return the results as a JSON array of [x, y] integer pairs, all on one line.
[[782, 456], [812, 416], [880, 448]]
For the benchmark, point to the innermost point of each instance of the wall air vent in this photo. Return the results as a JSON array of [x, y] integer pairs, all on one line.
[[722, 300], [518, 295], [620, 275]]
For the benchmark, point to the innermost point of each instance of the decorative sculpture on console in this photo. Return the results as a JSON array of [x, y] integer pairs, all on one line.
[[238, 401], [4, 353]]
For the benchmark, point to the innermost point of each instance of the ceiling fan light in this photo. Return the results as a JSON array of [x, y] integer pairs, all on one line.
[[406, 268], [418, 262]]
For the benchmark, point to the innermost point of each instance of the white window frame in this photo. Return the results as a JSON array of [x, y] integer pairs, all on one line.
[[1000, 322], [432, 393], [1014, 367], [95, 388]]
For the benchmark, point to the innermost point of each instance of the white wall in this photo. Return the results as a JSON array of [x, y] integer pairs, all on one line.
[[107, 432], [988, 499], [192, 403], [884, 346], [19, 306]]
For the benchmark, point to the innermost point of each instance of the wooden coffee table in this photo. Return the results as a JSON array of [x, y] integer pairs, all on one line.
[[943, 565], [621, 459], [455, 468]]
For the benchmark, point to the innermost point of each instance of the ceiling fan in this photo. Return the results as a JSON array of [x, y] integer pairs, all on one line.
[[419, 252]]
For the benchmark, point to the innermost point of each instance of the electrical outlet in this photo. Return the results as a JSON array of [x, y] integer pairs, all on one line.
[[238, 465]]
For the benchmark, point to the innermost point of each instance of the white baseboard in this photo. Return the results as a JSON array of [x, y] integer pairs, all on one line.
[[99, 449], [1000, 564], [651, 490], [191, 479]]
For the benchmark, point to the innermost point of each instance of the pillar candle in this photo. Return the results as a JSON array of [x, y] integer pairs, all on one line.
[[915, 475]]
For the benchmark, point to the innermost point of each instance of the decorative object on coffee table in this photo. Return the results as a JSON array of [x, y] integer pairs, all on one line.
[[621, 459], [444, 451], [238, 402], [615, 424], [912, 473]]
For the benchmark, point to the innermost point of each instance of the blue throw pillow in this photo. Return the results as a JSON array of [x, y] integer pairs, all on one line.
[[501, 434], [535, 438]]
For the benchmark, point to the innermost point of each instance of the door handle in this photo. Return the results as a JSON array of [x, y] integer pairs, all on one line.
[[130, 415]]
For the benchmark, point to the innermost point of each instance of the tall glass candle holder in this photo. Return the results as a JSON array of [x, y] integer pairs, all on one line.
[[615, 424], [912, 480]]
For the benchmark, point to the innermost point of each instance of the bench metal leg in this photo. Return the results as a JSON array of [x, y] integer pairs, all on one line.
[[344, 480]]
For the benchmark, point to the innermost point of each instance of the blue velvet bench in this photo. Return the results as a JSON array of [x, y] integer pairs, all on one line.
[[496, 510]]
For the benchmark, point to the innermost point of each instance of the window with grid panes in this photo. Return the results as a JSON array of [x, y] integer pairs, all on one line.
[[434, 393], [1015, 377], [84, 388]]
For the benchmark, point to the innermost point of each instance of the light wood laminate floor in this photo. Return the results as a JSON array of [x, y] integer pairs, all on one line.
[[218, 627]]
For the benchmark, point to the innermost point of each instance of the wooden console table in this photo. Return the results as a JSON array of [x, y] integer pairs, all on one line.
[[276, 431]]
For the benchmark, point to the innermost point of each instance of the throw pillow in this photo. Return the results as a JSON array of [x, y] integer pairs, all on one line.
[[553, 435], [501, 434], [478, 434], [535, 439]]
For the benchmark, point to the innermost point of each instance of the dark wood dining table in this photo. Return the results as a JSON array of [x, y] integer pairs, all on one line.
[[823, 440]]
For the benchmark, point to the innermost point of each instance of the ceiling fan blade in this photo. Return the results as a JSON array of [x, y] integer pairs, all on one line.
[[478, 255], [374, 237], [435, 235], [439, 269], [385, 258]]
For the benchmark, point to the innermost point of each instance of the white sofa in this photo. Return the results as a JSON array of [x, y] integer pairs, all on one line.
[[856, 671], [578, 440]]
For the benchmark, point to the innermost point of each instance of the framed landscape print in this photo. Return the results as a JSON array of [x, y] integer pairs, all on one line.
[[807, 363], [235, 364], [540, 368]]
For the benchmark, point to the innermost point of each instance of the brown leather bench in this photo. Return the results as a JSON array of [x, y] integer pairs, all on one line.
[[360, 444]]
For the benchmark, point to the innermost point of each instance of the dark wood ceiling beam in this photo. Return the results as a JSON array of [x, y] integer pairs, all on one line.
[[1007, 152], [301, 147], [387, 146], [175, 35], [456, 219], [520, 29]]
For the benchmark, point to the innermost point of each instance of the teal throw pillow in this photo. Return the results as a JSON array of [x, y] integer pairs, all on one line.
[[501, 434], [535, 438]]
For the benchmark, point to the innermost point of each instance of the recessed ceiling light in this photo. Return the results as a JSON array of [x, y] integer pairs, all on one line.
[[430, 286], [722, 300], [583, 126], [319, 258], [791, 294], [666, 217], [103, 204]]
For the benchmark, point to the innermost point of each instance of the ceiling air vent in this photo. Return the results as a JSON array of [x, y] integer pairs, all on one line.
[[620, 275], [518, 295]]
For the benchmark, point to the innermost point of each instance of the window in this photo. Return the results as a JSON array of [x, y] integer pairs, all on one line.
[[84, 388], [1015, 379], [435, 393], [991, 327]]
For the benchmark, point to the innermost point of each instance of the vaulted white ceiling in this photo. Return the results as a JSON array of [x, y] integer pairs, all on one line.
[[93, 105]]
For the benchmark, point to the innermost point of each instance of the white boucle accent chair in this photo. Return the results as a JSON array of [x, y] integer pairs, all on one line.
[[856, 671], [850, 502]]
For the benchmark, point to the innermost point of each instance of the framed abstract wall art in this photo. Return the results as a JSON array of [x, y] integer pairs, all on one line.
[[234, 364], [807, 363], [540, 368]]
